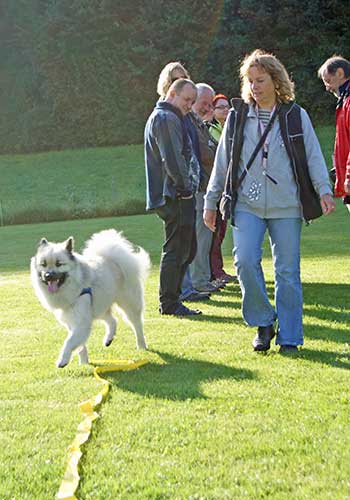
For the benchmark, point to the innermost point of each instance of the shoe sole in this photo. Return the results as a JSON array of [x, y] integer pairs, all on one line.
[[260, 348]]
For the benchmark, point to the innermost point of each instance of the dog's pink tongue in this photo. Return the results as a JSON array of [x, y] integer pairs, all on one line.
[[52, 286]]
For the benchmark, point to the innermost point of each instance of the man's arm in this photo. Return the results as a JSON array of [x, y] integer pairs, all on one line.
[[217, 179], [170, 142]]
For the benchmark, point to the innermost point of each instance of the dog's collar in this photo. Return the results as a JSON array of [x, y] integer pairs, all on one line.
[[87, 291]]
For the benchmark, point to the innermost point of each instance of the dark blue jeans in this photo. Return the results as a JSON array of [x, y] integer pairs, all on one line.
[[179, 249]]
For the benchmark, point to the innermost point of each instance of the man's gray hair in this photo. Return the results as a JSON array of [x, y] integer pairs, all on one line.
[[332, 64], [204, 87]]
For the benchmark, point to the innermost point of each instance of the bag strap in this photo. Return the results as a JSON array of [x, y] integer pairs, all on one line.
[[236, 120], [258, 146]]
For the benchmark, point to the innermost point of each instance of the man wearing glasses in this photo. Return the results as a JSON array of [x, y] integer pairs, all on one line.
[[335, 73]]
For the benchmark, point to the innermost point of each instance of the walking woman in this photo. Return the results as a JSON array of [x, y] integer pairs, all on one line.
[[273, 188]]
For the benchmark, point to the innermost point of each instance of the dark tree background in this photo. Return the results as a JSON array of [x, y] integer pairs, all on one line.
[[78, 73]]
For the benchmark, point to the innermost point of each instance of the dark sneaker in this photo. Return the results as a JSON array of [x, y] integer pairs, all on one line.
[[208, 288], [288, 349], [263, 338], [185, 311], [197, 297], [218, 283], [228, 278]]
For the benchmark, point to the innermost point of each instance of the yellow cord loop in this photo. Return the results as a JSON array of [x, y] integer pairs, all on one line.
[[71, 476]]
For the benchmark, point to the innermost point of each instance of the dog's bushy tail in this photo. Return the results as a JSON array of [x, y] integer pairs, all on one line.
[[112, 245]]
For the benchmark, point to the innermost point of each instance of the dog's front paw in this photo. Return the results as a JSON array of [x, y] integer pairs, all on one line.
[[61, 364], [62, 361]]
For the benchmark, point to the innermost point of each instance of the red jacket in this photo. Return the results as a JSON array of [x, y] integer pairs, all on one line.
[[342, 142]]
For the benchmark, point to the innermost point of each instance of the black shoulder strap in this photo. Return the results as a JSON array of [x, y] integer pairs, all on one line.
[[237, 119], [290, 125], [292, 134]]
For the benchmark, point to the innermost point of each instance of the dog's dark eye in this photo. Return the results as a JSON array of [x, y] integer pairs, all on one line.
[[43, 263], [58, 263]]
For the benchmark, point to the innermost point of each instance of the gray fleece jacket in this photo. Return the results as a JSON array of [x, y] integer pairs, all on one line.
[[258, 194]]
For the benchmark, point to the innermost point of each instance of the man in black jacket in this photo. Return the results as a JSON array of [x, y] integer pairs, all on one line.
[[172, 178]]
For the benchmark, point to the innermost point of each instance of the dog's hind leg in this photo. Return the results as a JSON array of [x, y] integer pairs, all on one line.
[[111, 327], [133, 315]]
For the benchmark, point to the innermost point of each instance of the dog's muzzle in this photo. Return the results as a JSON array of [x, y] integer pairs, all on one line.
[[53, 280]]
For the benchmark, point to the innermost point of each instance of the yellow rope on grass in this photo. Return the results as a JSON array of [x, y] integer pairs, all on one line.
[[71, 476]]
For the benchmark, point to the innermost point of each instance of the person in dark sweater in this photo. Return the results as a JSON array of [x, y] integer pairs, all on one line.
[[172, 179]]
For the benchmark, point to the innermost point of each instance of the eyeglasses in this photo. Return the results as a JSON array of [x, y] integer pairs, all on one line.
[[222, 107]]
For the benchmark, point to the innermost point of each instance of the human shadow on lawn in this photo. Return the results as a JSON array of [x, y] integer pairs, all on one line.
[[177, 378], [331, 358], [327, 302], [324, 302], [208, 316]]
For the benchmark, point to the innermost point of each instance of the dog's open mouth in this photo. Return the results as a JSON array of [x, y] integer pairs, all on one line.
[[53, 281]]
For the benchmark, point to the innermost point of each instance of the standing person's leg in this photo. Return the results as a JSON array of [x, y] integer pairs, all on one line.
[[186, 286], [248, 234], [187, 237], [285, 244], [178, 249], [168, 298], [216, 262], [200, 267]]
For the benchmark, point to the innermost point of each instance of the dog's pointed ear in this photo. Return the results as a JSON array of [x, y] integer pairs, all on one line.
[[43, 242], [70, 244]]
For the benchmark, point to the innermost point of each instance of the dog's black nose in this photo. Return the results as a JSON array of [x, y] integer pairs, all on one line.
[[50, 275]]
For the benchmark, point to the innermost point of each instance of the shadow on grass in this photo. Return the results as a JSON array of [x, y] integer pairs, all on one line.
[[326, 302], [331, 358], [213, 318], [177, 379]]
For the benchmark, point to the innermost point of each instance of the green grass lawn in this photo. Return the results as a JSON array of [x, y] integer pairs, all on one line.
[[207, 418], [72, 184], [77, 184]]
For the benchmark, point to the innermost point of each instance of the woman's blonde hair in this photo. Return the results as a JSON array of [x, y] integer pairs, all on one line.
[[166, 77], [269, 63]]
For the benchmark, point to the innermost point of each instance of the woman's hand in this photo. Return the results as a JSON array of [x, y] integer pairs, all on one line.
[[209, 217], [327, 204]]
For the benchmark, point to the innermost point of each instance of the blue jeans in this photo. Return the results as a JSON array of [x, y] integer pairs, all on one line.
[[200, 266], [187, 286], [284, 235]]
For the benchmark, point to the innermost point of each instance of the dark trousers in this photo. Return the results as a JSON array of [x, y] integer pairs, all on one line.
[[216, 261], [179, 249]]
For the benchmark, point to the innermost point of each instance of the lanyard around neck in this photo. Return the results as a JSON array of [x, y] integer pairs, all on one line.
[[265, 146]]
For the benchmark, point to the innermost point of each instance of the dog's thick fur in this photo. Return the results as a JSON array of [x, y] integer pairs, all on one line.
[[113, 270]]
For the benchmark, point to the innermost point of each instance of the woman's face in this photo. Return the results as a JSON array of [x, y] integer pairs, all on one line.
[[262, 87], [221, 108]]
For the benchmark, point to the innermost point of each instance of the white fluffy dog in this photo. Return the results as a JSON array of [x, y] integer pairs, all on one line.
[[80, 288]]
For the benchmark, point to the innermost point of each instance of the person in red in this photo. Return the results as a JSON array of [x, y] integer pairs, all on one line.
[[221, 108], [335, 73]]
